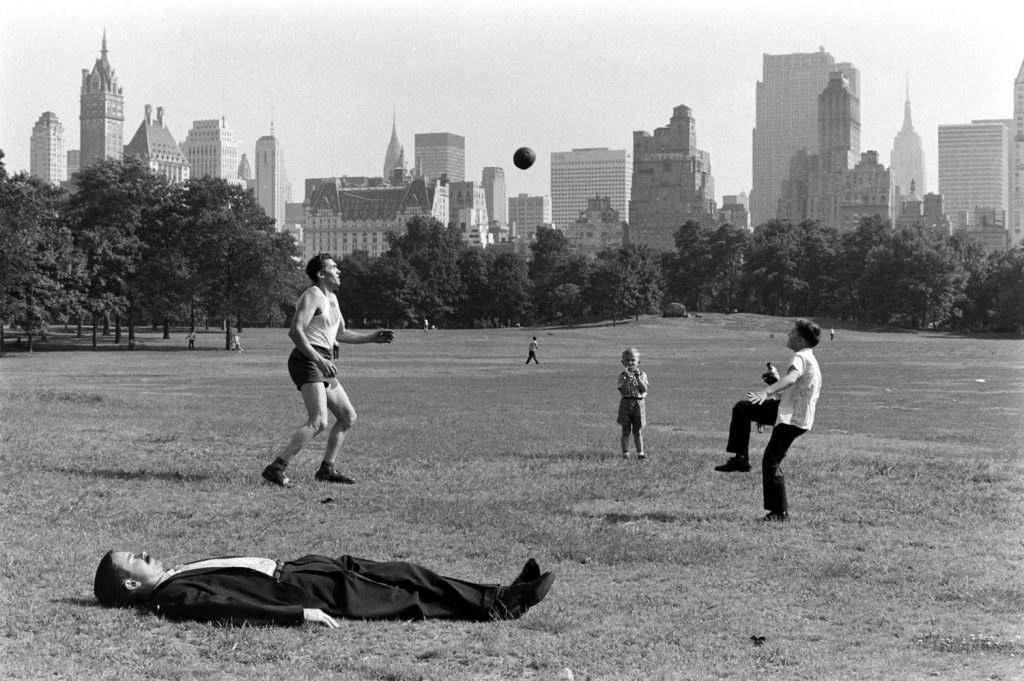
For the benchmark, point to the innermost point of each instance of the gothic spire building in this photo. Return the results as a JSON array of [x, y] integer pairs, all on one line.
[[102, 112], [907, 158], [394, 159]]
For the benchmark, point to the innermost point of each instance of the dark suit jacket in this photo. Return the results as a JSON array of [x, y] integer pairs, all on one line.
[[342, 587]]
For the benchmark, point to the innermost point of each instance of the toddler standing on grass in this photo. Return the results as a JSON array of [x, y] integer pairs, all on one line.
[[632, 386]]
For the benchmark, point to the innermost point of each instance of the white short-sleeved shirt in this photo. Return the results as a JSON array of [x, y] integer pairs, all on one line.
[[797, 403]]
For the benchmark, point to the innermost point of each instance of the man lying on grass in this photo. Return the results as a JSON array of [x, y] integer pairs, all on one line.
[[310, 589]]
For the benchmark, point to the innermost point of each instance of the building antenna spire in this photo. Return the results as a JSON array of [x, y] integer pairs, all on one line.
[[103, 49]]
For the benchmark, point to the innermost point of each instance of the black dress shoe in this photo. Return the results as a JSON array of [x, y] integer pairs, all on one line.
[[775, 517], [275, 476], [530, 572], [512, 602], [328, 474], [735, 464]]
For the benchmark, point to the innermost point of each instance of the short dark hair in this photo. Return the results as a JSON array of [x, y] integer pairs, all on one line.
[[809, 331], [108, 585], [316, 263]]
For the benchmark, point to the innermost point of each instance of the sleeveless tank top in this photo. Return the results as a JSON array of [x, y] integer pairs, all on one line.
[[322, 329]]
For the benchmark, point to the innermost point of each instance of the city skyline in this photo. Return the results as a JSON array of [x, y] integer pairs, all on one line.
[[555, 78]]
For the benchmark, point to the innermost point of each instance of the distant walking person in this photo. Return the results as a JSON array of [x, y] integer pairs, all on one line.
[[632, 385], [236, 343], [534, 346], [792, 415], [191, 337], [316, 325], [831, 335]]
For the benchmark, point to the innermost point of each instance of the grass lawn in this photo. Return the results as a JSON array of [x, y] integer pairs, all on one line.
[[904, 558]]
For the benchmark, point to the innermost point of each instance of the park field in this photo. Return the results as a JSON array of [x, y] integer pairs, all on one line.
[[903, 559]]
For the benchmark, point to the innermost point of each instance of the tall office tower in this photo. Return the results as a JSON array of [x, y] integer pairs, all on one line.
[[211, 150], [440, 153], [495, 193], [394, 158], [74, 161], [907, 158], [973, 162], [47, 158], [672, 182], [525, 212], [271, 182], [1015, 225], [583, 174], [102, 112], [787, 120], [838, 125], [154, 144], [244, 169]]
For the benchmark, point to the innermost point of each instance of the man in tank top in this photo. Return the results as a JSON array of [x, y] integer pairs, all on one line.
[[316, 327]]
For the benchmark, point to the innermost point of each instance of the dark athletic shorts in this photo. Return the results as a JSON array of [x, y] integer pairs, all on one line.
[[303, 370]]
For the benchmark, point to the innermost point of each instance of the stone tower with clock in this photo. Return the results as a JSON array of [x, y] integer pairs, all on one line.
[[102, 112]]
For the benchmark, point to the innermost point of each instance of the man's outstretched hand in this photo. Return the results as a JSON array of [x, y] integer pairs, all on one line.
[[318, 616], [384, 336]]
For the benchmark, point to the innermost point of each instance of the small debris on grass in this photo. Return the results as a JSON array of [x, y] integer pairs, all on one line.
[[758, 640], [327, 500]]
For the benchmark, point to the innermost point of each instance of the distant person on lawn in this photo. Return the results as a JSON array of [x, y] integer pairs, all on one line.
[[316, 589], [789, 404], [316, 326], [632, 386], [534, 346]]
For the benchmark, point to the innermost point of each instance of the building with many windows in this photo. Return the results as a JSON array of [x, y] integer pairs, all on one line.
[[786, 120], [467, 204], [47, 158], [102, 112], [526, 213], [496, 195], [1015, 223], [440, 153], [906, 162], [343, 219], [672, 182], [596, 229], [973, 172], [271, 182], [581, 174], [212, 150], [154, 144]]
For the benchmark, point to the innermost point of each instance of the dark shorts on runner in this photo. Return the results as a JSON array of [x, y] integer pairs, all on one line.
[[303, 370]]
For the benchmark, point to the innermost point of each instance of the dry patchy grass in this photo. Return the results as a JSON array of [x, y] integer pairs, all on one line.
[[903, 559]]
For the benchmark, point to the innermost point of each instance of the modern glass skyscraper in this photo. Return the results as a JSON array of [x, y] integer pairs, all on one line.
[[787, 120], [47, 158], [583, 174], [973, 163], [907, 158], [440, 153], [212, 150], [102, 112]]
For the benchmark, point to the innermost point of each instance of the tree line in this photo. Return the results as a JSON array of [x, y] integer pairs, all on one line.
[[127, 246]]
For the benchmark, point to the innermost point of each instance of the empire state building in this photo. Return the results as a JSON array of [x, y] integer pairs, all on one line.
[[907, 158]]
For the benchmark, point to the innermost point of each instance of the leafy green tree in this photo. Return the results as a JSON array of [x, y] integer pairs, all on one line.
[[553, 265], [474, 268], [772, 267], [358, 300], [819, 245], [1007, 275], [853, 281], [625, 280], [689, 271], [396, 285], [432, 250], [36, 259], [726, 246], [508, 285], [112, 201]]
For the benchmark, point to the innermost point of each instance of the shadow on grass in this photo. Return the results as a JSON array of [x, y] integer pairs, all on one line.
[[636, 517], [110, 474], [80, 601]]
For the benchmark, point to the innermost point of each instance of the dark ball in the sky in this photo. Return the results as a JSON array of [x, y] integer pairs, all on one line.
[[524, 157]]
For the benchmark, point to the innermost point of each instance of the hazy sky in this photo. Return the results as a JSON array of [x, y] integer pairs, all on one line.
[[553, 75]]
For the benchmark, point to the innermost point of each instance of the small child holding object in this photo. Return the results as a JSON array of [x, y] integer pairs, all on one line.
[[632, 417]]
